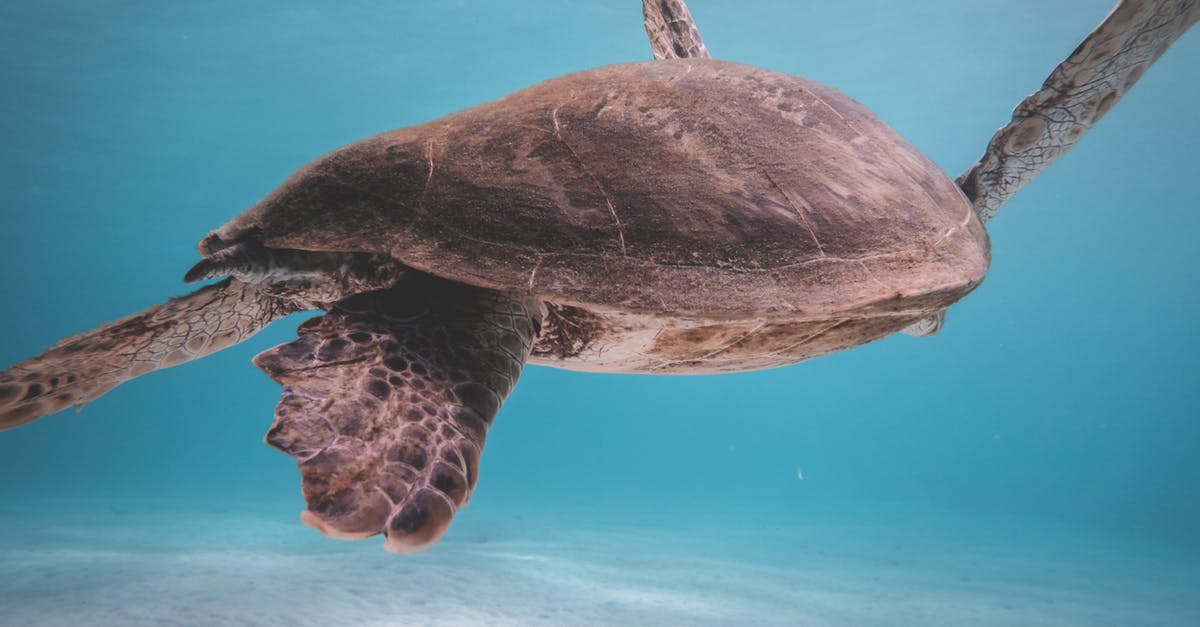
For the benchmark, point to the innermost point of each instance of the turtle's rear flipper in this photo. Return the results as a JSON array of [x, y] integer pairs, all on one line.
[[387, 400], [81, 368]]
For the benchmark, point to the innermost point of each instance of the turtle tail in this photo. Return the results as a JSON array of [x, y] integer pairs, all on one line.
[[81, 368]]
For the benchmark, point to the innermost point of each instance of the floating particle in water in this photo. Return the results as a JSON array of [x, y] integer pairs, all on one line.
[[800, 473]]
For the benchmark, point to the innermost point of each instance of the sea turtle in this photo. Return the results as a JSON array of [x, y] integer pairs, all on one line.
[[681, 215]]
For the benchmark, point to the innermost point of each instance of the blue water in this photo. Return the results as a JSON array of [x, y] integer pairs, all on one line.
[[1032, 464]]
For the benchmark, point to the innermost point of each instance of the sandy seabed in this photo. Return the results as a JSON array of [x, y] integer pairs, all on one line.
[[76, 564]]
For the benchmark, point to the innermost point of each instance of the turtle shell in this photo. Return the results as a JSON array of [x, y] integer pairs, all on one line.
[[687, 188]]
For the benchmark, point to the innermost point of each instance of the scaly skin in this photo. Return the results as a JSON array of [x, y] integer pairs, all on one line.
[[1074, 97], [387, 401], [309, 279], [80, 368], [672, 32], [266, 285]]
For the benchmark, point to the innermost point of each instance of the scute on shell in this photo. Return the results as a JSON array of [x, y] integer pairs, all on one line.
[[689, 188]]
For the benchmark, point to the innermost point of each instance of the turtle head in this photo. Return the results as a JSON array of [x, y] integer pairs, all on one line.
[[927, 326]]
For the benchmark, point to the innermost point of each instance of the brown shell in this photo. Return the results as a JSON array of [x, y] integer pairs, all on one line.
[[682, 187]]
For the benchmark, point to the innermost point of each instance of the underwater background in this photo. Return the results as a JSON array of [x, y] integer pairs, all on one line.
[[1034, 463]]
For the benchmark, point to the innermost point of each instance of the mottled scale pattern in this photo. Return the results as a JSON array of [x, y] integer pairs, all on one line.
[[387, 400], [672, 32], [312, 280], [80, 368], [1075, 96]]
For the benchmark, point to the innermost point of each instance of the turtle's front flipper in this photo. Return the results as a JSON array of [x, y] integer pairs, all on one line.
[[81, 368], [1074, 97], [672, 33], [387, 400]]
